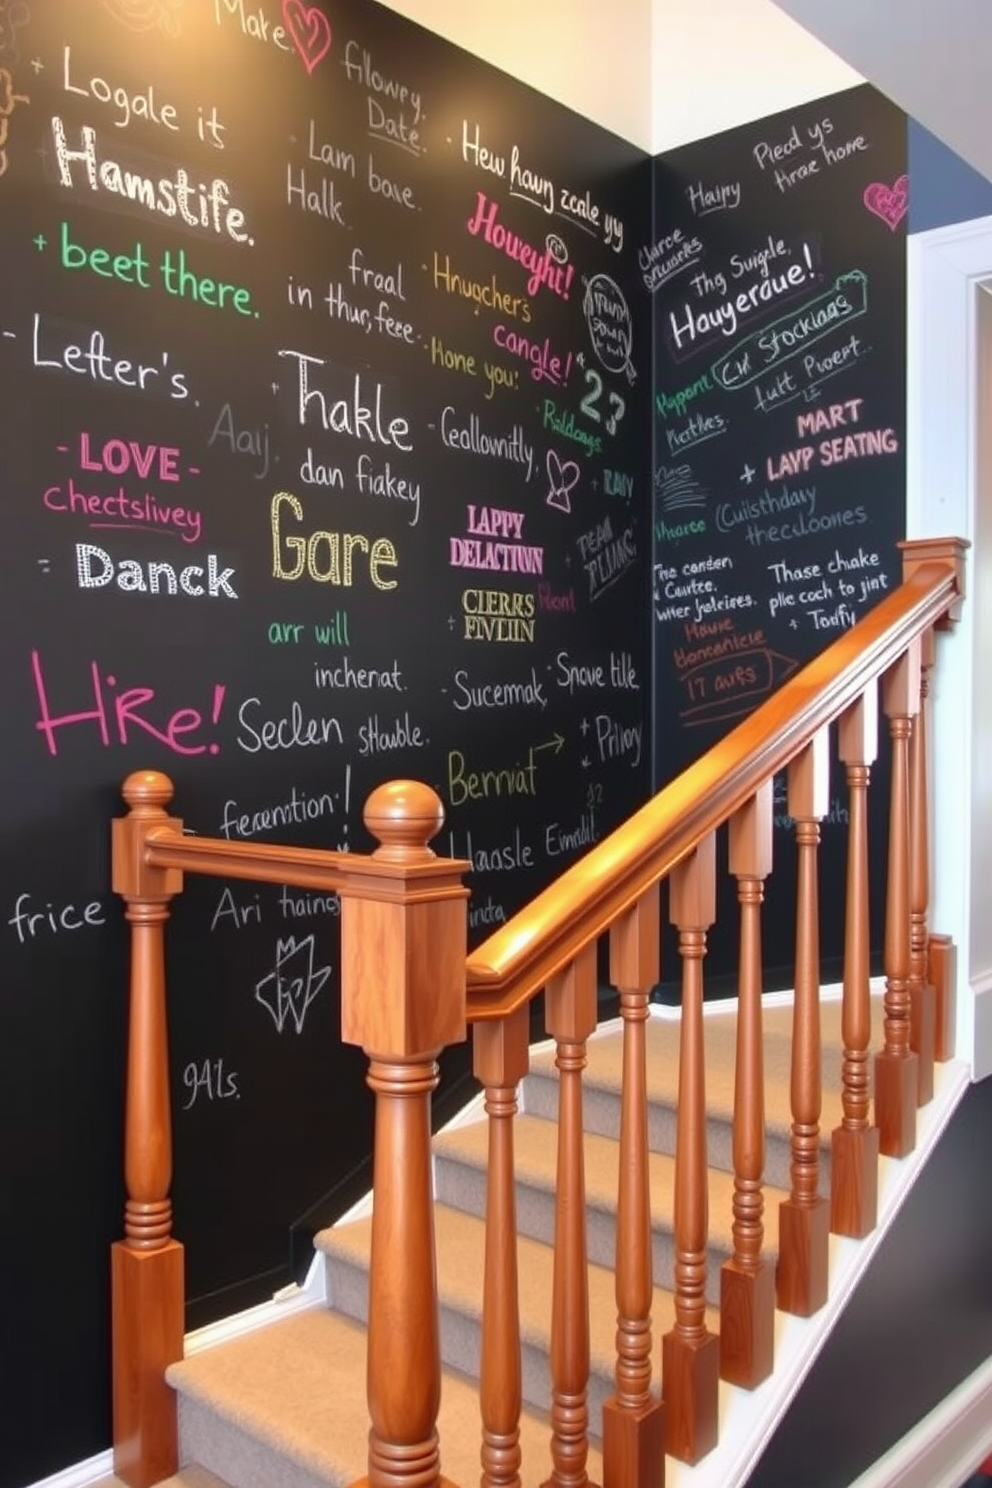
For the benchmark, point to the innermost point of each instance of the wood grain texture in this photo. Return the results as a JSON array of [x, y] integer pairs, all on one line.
[[690, 1353], [942, 974], [801, 1278], [747, 1289], [633, 1445], [571, 1017], [501, 1060], [854, 1144], [747, 1323], [896, 1076], [147, 1294]]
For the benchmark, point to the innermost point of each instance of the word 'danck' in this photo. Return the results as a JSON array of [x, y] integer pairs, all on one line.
[[161, 461]]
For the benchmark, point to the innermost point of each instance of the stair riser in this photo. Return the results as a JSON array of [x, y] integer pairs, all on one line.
[[464, 1187], [601, 1117], [238, 1458], [461, 1344]]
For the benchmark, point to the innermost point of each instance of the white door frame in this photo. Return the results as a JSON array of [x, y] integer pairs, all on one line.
[[945, 269]]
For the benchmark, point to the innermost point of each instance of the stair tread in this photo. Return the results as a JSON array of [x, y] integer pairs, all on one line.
[[294, 1386], [535, 1155], [460, 1240], [603, 1066]]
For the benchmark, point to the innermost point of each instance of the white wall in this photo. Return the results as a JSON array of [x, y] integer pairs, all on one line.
[[658, 72]]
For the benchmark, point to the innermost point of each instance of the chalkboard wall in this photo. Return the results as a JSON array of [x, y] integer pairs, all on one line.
[[777, 274], [325, 367]]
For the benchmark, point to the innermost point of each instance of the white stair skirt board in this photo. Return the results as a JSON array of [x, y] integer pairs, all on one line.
[[946, 1447], [82, 1474], [748, 1418]]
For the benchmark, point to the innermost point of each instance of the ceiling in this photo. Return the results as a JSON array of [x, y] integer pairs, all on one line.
[[932, 59]]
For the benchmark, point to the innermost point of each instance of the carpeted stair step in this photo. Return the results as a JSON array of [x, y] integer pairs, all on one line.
[[601, 1086], [460, 1181], [460, 1259], [285, 1408]]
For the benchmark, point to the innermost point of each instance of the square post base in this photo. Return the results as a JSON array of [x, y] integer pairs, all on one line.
[[147, 1289], [854, 1181], [896, 1083], [802, 1274], [922, 1033], [942, 974], [747, 1323], [633, 1446], [690, 1380]]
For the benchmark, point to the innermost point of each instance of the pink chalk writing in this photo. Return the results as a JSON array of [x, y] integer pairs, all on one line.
[[119, 458], [543, 268], [116, 715]]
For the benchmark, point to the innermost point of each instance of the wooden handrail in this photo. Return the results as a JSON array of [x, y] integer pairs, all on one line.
[[518, 959]]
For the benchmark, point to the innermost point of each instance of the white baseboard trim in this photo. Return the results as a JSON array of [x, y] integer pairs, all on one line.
[[285, 1303], [81, 1474], [982, 1054], [946, 1446]]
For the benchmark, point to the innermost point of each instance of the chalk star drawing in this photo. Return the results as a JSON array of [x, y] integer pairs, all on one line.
[[291, 987], [748, 473]]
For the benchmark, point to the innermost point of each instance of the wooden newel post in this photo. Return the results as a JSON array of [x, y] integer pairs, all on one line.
[[403, 947], [147, 1286]]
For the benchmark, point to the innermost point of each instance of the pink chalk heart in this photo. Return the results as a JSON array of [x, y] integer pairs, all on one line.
[[310, 30], [888, 202]]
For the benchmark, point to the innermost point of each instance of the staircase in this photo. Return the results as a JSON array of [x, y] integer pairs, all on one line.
[[691, 1156], [285, 1405]]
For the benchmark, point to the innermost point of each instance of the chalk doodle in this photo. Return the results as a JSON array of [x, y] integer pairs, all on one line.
[[310, 30], [890, 203], [290, 988], [8, 102], [147, 15], [562, 476], [14, 15]]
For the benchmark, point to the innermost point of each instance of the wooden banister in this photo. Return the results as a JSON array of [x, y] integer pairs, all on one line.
[[409, 990], [516, 961]]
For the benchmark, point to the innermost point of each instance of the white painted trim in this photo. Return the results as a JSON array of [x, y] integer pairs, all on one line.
[[92, 1470], [945, 268], [284, 1303], [982, 1062], [946, 1446], [749, 1418], [832, 992]]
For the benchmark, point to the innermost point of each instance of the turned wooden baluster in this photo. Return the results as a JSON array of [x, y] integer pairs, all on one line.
[[941, 969], [896, 1077], [570, 1002], [500, 1054], [922, 994], [633, 1434], [747, 1282], [147, 1281], [403, 943], [804, 1217], [690, 1353], [854, 1144]]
